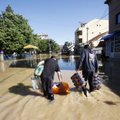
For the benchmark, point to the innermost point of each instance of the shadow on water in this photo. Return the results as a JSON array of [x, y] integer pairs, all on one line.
[[23, 90], [112, 70]]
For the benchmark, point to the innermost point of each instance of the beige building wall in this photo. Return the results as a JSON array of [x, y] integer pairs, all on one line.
[[91, 30]]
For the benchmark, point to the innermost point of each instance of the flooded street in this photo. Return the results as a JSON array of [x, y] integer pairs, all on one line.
[[112, 70], [18, 101], [108, 70]]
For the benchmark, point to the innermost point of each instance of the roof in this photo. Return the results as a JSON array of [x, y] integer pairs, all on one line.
[[96, 40], [110, 35], [106, 37], [98, 37]]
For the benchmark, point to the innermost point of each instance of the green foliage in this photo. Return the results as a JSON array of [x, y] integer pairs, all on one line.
[[48, 45], [54, 46], [43, 46], [14, 31], [65, 48]]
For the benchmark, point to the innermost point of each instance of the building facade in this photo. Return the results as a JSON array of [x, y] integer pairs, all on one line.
[[114, 15], [88, 31], [112, 40]]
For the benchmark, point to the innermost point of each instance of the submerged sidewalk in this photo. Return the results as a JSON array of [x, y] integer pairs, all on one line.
[[18, 101]]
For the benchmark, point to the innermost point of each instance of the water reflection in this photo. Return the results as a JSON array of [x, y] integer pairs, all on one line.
[[112, 70], [67, 63], [29, 63], [2, 66]]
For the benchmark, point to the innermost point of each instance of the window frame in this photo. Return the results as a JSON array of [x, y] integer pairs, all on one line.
[[118, 18]]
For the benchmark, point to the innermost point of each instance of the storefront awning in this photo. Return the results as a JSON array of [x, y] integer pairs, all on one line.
[[111, 35], [106, 37]]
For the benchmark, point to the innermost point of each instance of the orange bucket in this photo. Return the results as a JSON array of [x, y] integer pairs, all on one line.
[[61, 88]]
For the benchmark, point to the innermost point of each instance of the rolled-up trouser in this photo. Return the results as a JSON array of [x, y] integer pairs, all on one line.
[[47, 85], [88, 75]]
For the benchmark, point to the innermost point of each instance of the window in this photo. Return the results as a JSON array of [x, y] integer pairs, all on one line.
[[118, 18], [112, 46], [117, 43], [79, 33], [80, 40]]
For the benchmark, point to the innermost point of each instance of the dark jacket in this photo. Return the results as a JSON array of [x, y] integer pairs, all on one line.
[[50, 67], [88, 61]]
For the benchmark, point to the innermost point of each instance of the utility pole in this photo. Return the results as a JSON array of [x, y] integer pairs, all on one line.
[[87, 33], [49, 48]]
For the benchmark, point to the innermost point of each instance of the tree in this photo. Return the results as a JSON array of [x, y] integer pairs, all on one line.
[[43, 46], [65, 48], [48, 45], [14, 31], [54, 46]]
